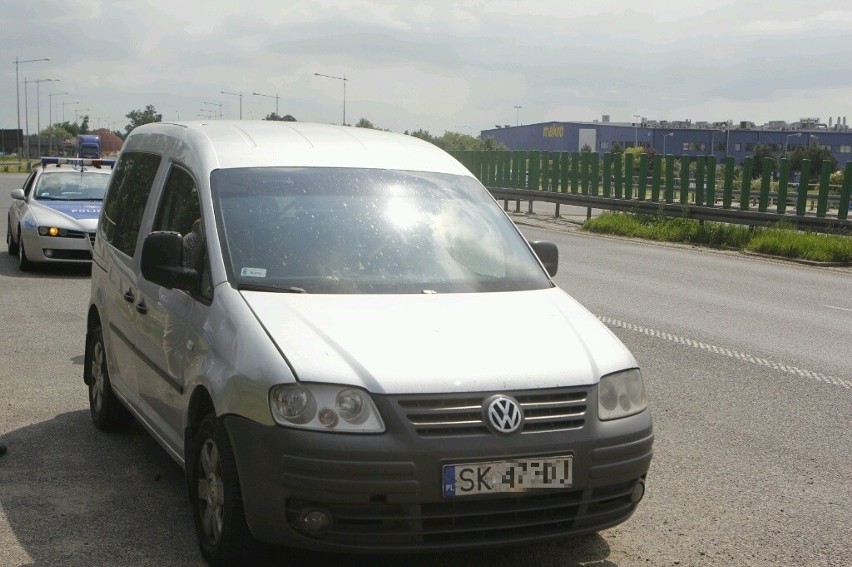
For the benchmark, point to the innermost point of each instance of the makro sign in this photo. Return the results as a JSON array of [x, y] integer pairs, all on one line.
[[553, 131]]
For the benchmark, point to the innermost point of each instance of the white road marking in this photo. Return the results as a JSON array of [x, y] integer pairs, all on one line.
[[840, 308], [727, 352]]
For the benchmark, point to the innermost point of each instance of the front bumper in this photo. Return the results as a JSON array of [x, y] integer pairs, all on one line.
[[384, 492], [76, 248]]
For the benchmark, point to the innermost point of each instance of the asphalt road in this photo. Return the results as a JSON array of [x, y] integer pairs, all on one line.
[[747, 368]]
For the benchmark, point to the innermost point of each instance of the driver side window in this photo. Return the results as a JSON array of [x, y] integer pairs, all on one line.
[[179, 211]]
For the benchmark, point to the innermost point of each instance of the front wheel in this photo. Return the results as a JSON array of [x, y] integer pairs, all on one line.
[[217, 503], [11, 247], [24, 263], [106, 410]]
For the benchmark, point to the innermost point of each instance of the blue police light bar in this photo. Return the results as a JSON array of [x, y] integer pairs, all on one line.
[[57, 161]]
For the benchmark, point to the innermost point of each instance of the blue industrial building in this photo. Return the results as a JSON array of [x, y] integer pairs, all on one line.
[[678, 138]]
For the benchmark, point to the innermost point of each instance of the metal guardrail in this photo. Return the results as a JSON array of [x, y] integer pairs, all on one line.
[[702, 190], [689, 210]]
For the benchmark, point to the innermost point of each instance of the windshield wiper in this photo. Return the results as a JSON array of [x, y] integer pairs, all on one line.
[[272, 288]]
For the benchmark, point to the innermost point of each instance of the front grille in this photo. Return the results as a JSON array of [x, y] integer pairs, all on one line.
[[383, 524], [453, 415]]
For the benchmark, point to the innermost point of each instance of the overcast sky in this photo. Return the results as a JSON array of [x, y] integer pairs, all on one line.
[[440, 65]]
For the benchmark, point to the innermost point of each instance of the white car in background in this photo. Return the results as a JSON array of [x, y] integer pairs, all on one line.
[[54, 216]]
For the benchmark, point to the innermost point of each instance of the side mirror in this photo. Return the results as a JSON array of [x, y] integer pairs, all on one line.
[[162, 262], [548, 253], [18, 194]]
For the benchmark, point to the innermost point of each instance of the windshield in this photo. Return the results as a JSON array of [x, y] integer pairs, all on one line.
[[338, 230], [71, 186]]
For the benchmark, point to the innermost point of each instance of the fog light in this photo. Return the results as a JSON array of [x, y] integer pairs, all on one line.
[[327, 417], [315, 521], [48, 252], [638, 492]]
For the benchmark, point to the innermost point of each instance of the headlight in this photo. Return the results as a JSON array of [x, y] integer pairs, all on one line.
[[52, 231], [621, 394], [325, 407]]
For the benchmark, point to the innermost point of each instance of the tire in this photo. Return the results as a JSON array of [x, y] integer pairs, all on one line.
[[108, 413], [23, 262], [217, 502], [11, 246]]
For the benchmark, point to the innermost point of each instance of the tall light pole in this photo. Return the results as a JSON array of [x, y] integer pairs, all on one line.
[[64, 104], [712, 141], [343, 79], [77, 112], [787, 141], [241, 101], [275, 96], [38, 107], [664, 141], [50, 119], [50, 96], [517, 115], [18, 98], [636, 130], [219, 104]]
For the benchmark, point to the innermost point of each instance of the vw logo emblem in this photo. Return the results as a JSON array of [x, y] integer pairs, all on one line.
[[503, 414]]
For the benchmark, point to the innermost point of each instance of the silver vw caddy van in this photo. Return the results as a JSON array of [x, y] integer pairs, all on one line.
[[348, 346]]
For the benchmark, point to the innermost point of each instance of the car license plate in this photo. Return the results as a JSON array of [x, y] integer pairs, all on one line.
[[516, 475]]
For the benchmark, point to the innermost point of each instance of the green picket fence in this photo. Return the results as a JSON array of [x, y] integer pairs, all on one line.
[[701, 181]]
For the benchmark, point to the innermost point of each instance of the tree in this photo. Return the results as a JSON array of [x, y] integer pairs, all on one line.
[[636, 152], [815, 154], [761, 152], [275, 117], [424, 135], [616, 148], [140, 117], [364, 123]]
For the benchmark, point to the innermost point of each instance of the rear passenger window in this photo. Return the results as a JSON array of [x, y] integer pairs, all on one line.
[[125, 202]]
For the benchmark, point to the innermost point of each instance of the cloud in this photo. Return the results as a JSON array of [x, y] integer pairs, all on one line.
[[438, 65]]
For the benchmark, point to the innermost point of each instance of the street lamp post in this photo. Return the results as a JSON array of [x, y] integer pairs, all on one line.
[[18, 99], [241, 101], [219, 104], [517, 115], [787, 141], [77, 112], [664, 141], [713, 141], [64, 104], [275, 96], [50, 119], [636, 130], [343, 79], [38, 107]]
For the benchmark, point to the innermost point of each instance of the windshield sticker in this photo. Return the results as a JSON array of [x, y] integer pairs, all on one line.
[[253, 272]]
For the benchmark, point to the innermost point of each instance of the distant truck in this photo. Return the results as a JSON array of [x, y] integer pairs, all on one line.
[[89, 146]]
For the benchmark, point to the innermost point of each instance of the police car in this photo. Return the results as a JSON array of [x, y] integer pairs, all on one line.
[[54, 216]]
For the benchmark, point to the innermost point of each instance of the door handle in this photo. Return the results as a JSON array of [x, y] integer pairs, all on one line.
[[141, 307], [128, 296]]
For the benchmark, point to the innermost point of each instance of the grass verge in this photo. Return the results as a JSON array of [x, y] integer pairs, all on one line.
[[784, 242]]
